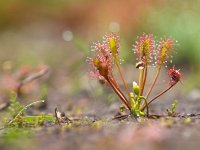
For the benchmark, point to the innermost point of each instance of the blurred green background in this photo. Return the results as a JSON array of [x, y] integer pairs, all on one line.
[[59, 33]]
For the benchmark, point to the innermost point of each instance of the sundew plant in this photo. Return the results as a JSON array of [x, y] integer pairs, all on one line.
[[147, 51]]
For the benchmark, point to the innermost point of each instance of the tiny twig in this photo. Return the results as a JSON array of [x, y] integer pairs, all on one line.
[[33, 77], [120, 117], [61, 117]]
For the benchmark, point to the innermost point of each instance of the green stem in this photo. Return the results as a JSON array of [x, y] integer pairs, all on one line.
[[145, 101], [23, 109]]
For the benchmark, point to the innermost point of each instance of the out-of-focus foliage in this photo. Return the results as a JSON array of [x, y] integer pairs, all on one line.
[[180, 20], [48, 32]]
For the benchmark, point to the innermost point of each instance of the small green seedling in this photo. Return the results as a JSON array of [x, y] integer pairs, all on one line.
[[17, 111], [15, 107], [187, 121], [171, 111]]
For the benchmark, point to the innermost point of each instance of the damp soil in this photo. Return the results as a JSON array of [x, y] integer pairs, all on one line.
[[93, 127]]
